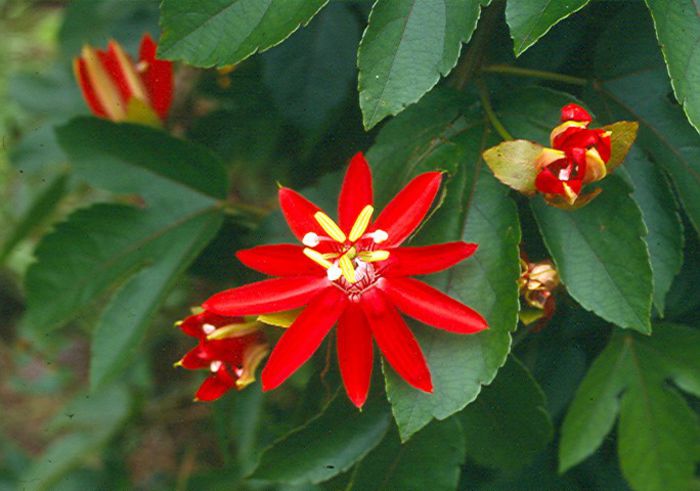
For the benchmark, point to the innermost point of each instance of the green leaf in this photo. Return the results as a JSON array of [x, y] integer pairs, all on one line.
[[659, 208], [327, 445], [513, 163], [405, 49], [677, 24], [530, 20], [508, 424], [600, 253], [476, 208], [312, 72], [633, 85], [209, 33], [658, 434], [431, 460]]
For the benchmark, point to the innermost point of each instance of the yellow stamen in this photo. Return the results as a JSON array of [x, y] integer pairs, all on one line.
[[331, 255], [234, 330], [373, 256], [251, 359], [330, 227], [361, 223], [280, 319], [347, 268], [317, 257]]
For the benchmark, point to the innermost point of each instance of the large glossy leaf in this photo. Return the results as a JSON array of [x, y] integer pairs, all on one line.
[[653, 194], [634, 85], [209, 33], [530, 20], [677, 24], [327, 445], [431, 460], [508, 424], [476, 208], [658, 433], [405, 49]]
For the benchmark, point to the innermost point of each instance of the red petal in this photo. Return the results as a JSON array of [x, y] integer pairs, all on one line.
[[157, 77], [81, 74], [303, 337], [279, 260], [431, 306], [299, 213], [547, 182], [407, 261], [195, 359], [395, 340], [356, 192], [113, 68], [574, 112], [355, 353], [216, 385], [275, 295], [404, 213]]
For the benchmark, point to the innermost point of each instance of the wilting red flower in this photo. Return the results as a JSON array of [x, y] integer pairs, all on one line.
[[229, 347], [537, 283], [353, 273], [116, 88], [578, 155]]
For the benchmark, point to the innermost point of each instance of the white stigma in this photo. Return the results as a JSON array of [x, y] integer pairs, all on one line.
[[378, 236], [215, 365], [238, 372], [360, 270], [310, 240], [334, 272], [208, 328]]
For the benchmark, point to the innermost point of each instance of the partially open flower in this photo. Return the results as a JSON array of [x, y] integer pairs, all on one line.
[[537, 283], [578, 155], [231, 348], [117, 88]]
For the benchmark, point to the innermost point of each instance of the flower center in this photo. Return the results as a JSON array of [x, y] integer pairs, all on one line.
[[350, 265]]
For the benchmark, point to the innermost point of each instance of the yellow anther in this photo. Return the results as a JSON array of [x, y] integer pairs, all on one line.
[[330, 227], [331, 255], [361, 223], [234, 330], [317, 257], [347, 268], [373, 256]]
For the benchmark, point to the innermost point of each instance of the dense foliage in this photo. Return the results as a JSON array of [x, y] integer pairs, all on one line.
[[129, 184]]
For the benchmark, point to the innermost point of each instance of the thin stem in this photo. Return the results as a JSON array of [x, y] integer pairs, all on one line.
[[490, 113], [541, 74]]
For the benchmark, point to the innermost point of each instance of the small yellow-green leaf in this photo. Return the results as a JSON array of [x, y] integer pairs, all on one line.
[[513, 163]]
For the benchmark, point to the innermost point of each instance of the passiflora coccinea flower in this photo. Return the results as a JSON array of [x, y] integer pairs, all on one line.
[[231, 348], [578, 155], [353, 273], [117, 88], [537, 283]]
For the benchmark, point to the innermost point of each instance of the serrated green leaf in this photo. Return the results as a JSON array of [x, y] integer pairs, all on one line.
[[508, 424], [433, 135], [431, 460], [633, 85], [658, 434], [327, 445], [209, 33], [601, 256], [406, 48], [529, 20], [677, 24], [653, 194]]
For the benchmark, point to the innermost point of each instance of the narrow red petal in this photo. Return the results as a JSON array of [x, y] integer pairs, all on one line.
[[157, 77], [408, 261], [215, 385], [279, 260], [356, 192], [547, 182], [299, 213], [303, 337], [431, 306], [395, 340], [355, 353], [275, 295], [81, 74], [404, 213], [113, 68], [195, 359]]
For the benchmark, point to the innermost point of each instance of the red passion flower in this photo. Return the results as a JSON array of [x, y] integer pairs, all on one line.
[[353, 273], [116, 88], [229, 347], [578, 155]]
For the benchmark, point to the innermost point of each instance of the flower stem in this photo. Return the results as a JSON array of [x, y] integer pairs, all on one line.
[[541, 74], [490, 113]]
